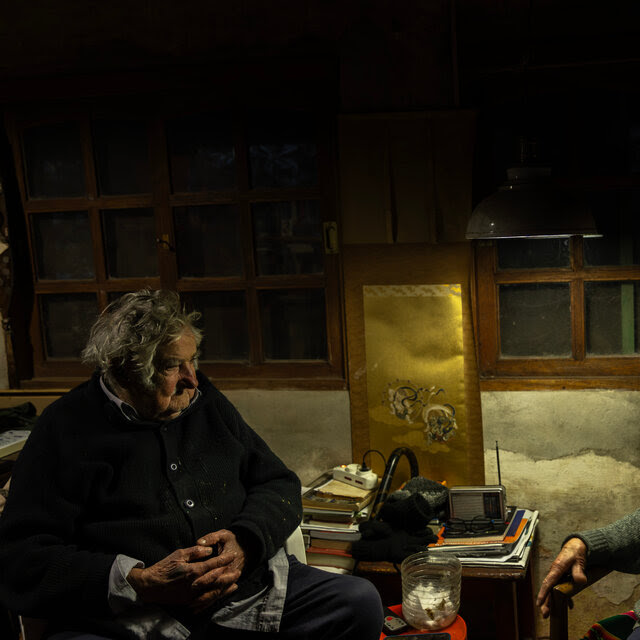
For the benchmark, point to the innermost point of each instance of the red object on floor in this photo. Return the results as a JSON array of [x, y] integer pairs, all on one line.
[[457, 629]]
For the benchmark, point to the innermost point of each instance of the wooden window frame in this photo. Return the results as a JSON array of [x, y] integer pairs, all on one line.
[[577, 371], [47, 373]]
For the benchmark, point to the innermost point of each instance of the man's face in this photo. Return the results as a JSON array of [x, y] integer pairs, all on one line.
[[175, 380]]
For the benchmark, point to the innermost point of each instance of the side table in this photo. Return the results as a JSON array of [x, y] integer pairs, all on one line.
[[495, 602]]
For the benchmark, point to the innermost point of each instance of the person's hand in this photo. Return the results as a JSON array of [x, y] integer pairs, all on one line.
[[173, 580], [232, 559], [572, 558]]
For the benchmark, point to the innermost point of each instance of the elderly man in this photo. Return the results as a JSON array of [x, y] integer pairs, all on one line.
[[143, 506]]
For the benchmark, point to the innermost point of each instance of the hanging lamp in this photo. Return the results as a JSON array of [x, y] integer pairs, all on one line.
[[529, 205]]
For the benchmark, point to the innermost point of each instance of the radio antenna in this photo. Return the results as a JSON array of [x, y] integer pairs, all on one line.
[[498, 462]]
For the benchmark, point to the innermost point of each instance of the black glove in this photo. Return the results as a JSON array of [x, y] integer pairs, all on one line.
[[380, 541]]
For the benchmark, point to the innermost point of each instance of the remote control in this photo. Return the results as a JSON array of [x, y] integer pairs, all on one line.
[[393, 623]]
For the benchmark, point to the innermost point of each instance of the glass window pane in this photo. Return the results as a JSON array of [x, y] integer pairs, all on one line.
[[66, 321], [288, 237], [208, 241], [224, 320], [62, 245], [535, 320], [617, 216], [293, 324], [283, 151], [122, 157], [533, 254], [612, 310], [202, 153], [130, 242], [112, 296], [53, 158]]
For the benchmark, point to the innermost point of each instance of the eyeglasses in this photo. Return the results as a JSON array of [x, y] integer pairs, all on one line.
[[479, 524]]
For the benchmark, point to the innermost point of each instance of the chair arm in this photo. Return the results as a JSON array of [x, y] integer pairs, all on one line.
[[561, 594], [294, 545]]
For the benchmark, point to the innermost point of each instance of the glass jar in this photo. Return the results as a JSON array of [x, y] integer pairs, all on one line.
[[430, 589]]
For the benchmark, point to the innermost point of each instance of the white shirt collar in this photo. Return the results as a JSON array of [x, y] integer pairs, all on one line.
[[126, 409]]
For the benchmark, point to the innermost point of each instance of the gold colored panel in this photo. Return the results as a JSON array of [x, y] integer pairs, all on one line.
[[415, 375], [417, 265]]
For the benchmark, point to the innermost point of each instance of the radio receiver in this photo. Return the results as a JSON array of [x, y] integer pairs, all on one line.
[[468, 502]]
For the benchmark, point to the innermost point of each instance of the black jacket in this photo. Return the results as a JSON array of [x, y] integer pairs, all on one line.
[[89, 485]]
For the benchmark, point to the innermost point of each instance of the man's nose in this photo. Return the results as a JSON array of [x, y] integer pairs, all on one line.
[[188, 375]]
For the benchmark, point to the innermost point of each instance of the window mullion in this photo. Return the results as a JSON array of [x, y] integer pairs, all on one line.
[[488, 309], [578, 322], [98, 245], [578, 335], [160, 184], [577, 253]]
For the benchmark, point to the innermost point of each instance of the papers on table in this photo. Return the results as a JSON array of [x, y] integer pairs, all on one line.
[[512, 551]]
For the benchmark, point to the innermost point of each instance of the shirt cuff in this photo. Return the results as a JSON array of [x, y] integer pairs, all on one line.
[[121, 594]]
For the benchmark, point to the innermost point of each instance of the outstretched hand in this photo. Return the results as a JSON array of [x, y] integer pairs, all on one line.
[[192, 577], [571, 559]]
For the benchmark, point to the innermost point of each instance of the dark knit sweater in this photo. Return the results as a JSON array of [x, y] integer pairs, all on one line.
[[90, 485]]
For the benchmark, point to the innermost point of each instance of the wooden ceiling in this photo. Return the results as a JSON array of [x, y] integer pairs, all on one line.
[[489, 36], [387, 55]]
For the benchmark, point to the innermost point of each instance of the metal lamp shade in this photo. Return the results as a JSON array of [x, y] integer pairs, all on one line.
[[529, 206]]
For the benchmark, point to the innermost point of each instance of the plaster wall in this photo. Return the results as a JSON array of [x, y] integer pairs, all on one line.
[[574, 456], [309, 430]]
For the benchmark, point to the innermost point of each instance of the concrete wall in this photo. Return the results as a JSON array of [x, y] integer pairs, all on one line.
[[574, 456], [309, 430]]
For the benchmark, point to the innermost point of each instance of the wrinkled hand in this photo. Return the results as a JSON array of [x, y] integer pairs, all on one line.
[[232, 559], [572, 558], [189, 577]]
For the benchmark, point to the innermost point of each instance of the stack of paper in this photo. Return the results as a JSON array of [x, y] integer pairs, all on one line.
[[512, 550]]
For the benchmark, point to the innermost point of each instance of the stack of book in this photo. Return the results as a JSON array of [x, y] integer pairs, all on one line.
[[332, 511], [12, 441], [508, 548]]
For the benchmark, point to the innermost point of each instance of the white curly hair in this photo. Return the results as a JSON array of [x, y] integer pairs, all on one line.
[[124, 340]]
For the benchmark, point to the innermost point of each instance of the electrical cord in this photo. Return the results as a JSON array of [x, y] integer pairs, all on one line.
[[364, 466]]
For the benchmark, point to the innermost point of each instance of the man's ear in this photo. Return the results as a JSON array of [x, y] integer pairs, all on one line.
[[126, 378]]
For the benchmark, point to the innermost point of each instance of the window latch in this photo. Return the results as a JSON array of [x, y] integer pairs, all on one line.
[[163, 241], [330, 234]]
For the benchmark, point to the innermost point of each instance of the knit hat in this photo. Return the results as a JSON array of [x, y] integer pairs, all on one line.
[[415, 505]]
